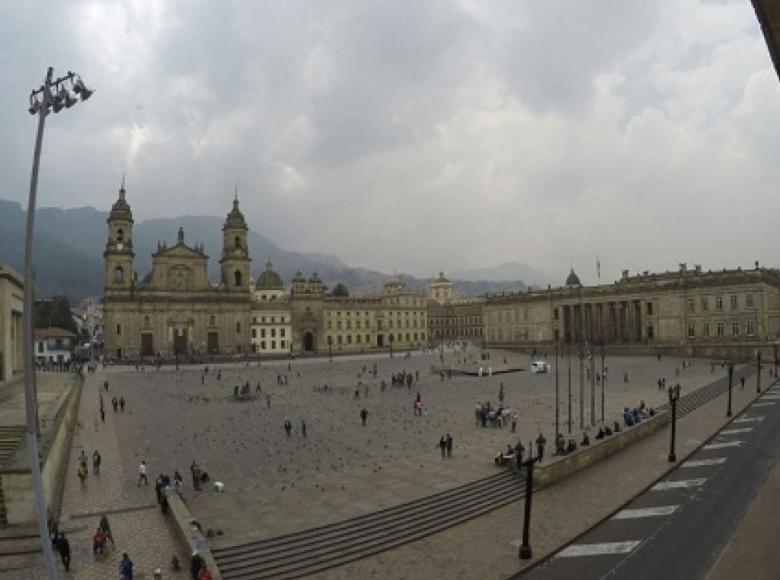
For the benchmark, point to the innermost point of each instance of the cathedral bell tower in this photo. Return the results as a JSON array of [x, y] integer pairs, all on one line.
[[119, 247], [235, 264]]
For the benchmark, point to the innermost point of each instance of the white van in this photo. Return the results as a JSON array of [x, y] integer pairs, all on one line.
[[539, 367]]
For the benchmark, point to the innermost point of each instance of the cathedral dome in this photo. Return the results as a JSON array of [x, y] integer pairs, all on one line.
[[572, 279], [269, 280]]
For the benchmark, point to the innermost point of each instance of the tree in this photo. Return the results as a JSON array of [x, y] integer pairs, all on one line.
[[54, 312]]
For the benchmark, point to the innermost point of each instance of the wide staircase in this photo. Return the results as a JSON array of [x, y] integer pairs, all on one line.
[[10, 438]]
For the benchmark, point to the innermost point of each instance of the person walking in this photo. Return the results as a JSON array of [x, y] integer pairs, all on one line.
[[287, 426], [303, 428], [122, 403], [96, 461], [195, 470], [82, 473], [442, 445], [126, 567], [142, 474], [363, 416], [540, 443], [63, 546], [449, 445]]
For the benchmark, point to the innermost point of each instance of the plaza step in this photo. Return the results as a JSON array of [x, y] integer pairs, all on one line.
[[10, 438], [317, 549], [19, 546]]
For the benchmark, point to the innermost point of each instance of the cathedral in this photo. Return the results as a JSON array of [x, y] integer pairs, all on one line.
[[175, 310]]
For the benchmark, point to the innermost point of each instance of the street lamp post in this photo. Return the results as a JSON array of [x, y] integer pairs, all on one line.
[[568, 354], [525, 548], [592, 387], [603, 380], [52, 95], [758, 374], [557, 403], [674, 396], [731, 381], [330, 349]]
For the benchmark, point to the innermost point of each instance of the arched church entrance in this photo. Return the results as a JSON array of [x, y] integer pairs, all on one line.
[[308, 342]]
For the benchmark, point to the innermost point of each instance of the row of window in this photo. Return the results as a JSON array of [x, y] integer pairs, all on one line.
[[391, 313], [272, 333], [734, 303], [720, 328], [272, 344], [359, 338], [451, 321], [269, 319]]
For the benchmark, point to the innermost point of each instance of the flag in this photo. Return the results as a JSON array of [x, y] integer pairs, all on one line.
[[598, 267]]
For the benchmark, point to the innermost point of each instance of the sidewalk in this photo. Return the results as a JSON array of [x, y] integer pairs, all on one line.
[[486, 548], [138, 526]]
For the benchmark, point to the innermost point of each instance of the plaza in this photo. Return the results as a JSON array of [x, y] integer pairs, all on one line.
[[275, 483]]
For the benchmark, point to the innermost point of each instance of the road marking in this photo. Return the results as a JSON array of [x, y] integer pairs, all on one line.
[[633, 514], [736, 431], [605, 549], [770, 398], [749, 419], [721, 445], [767, 404], [704, 462], [679, 484]]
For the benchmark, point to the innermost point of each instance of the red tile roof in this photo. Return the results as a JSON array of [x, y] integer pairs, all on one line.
[[53, 332]]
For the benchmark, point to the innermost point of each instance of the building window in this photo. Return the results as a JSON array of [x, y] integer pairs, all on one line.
[[719, 303], [40, 346], [273, 333], [273, 345], [339, 339], [118, 329], [705, 303], [282, 344], [349, 339], [238, 327], [262, 345], [650, 331], [368, 338], [119, 275], [120, 235], [212, 320], [358, 338], [691, 330], [649, 308], [329, 325], [705, 329], [735, 329], [691, 305], [750, 328], [734, 302], [749, 300], [237, 242], [146, 320], [254, 333], [281, 332], [721, 329], [237, 278], [262, 333]]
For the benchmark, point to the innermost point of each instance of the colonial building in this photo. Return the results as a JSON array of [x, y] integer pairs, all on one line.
[[54, 345], [271, 318], [11, 307], [691, 310], [450, 317], [175, 311]]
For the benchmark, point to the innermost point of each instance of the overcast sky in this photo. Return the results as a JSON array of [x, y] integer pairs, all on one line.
[[413, 135]]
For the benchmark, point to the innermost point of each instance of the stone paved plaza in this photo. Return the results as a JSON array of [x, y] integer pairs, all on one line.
[[276, 484]]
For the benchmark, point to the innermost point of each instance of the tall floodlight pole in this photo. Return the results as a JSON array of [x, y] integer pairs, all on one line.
[[52, 95], [568, 356], [557, 403], [603, 380]]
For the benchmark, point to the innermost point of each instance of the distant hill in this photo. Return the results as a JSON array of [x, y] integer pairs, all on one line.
[[69, 246], [510, 271]]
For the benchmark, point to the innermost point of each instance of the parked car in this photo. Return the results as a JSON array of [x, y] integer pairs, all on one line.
[[539, 366]]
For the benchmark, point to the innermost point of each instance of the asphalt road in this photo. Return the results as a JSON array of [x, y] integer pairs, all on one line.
[[677, 529]]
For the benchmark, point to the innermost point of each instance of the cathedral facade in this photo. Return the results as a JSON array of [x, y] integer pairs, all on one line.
[[175, 311]]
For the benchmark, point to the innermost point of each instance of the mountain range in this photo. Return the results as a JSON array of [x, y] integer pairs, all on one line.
[[69, 246]]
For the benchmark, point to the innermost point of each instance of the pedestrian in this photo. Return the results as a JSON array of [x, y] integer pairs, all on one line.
[[363, 416], [96, 461], [501, 393], [514, 423], [442, 445], [63, 546], [742, 382], [82, 473], [195, 470], [267, 401], [114, 403], [540, 443], [287, 426], [105, 385], [142, 473], [449, 445], [102, 414], [303, 428], [122, 403], [196, 563], [126, 567], [104, 525]]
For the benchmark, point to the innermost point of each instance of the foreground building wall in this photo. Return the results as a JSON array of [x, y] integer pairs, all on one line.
[[11, 307]]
